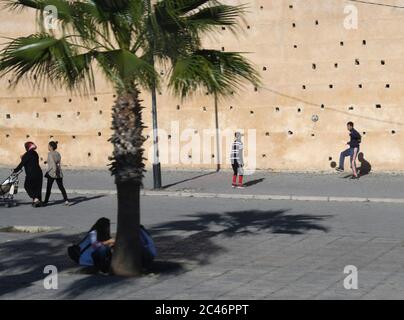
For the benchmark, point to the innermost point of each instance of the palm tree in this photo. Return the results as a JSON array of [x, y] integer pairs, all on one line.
[[124, 39]]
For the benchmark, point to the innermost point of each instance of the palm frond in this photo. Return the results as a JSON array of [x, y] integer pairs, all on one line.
[[43, 58], [217, 72], [125, 68]]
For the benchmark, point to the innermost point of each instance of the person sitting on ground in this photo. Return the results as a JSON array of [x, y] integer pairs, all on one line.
[[352, 151], [33, 173]]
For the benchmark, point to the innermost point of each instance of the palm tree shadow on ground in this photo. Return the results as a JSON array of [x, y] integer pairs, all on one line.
[[192, 240]]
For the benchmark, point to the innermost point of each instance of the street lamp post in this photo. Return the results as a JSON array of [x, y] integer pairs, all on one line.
[[156, 160]]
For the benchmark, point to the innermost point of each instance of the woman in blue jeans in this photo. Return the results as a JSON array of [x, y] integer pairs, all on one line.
[[352, 151]]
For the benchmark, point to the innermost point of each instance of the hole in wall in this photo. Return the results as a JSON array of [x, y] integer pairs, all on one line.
[[222, 48], [393, 131], [27, 136], [77, 113], [264, 155], [267, 134], [248, 27], [212, 156], [264, 68], [99, 134], [351, 108], [299, 110], [100, 112], [178, 107], [322, 106], [95, 99], [231, 107], [314, 66], [387, 86], [45, 100], [8, 116], [59, 115], [333, 164], [364, 133], [336, 65], [378, 106], [312, 134], [290, 132], [277, 109], [223, 28], [7, 135], [18, 101], [364, 42], [331, 86], [190, 156], [329, 158], [37, 115], [261, 7], [383, 62], [341, 43], [295, 46], [357, 62], [204, 108], [304, 87], [316, 22], [251, 112], [360, 86], [73, 137], [291, 6], [169, 136], [89, 154], [70, 100], [50, 137]]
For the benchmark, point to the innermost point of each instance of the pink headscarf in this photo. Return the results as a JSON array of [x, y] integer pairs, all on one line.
[[30, 146]]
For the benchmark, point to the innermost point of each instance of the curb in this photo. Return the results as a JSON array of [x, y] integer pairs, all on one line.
[[187, 194]]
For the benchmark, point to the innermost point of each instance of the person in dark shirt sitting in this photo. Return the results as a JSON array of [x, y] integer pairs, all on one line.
[[33, 173], [352, 151]]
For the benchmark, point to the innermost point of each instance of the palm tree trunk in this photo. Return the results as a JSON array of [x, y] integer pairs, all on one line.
[[128, 168]]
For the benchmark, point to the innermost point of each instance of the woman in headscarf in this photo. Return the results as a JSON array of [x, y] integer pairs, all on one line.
[[33, 173]]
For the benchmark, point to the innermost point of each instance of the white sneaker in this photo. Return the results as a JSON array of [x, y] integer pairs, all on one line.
[[67, 203], [240, 187]]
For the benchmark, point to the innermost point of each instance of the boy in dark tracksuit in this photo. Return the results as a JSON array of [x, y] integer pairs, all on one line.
[[237, 161], [352, 151]]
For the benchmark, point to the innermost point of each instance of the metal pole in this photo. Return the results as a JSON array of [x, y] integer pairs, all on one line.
[[217, 135], [156, 160]]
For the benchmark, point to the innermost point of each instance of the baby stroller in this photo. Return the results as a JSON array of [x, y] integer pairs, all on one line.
[[8, 188]]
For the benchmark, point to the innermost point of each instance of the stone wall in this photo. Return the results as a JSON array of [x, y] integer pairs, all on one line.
[[313, 68]]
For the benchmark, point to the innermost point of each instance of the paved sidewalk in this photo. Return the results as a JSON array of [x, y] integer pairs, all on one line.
[[261, 185], [215, 249]]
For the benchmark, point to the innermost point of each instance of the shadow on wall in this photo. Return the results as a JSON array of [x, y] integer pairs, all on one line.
[[365, 166], [192, 239]]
